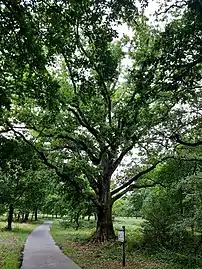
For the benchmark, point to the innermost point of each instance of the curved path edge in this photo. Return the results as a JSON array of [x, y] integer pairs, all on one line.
[[41, 252]]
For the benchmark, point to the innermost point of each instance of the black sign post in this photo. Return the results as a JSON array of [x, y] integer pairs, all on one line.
[[122, 238]]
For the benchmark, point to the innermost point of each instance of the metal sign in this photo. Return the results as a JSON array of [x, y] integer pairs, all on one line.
[[121, 235], [122, 238]]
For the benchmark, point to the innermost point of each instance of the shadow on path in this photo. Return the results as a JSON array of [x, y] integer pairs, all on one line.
[[40, 251]]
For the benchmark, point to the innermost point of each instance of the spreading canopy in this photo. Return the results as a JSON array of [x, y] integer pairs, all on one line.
[[82, 104]]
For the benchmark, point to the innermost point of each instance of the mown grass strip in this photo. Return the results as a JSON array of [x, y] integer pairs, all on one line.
[[11, 244]]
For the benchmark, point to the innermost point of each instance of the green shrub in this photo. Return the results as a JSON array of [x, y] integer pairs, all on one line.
[[64, 223]]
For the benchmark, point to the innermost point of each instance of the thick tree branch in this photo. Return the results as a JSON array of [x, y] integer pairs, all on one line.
[[105, 93], [85, 123], [136, 177], [132, 187], [40, 153], [5, 131], [42, 156], [70, 73], [121, 156], [129, 186], [90, 154], [177, 138], [93, 184], [78, 114], [59, 147], [78, 144]]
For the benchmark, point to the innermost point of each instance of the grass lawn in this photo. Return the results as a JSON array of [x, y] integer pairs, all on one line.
[[11, 244], [75, 244]]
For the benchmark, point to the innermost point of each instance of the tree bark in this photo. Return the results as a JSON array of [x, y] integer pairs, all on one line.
[[36, 214], [26, 217], [76, 220], [104, 229], [10, 217]]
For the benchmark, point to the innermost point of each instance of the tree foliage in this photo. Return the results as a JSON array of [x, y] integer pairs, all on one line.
[[83, 111]]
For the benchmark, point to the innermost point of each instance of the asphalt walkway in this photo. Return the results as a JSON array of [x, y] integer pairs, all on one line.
[[41, 252]]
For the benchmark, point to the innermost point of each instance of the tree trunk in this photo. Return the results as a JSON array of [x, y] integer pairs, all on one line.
[[36, 214], [26, 217], [32, 216], [10, 217], [104, 229], [23, 217], [76, 220]]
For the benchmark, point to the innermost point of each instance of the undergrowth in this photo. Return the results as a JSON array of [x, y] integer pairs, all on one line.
[[75, 243]]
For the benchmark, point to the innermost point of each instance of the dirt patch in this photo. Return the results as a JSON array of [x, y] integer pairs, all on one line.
[[8, 241]]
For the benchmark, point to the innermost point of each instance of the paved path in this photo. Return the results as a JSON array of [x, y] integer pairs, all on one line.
[[41, 252]]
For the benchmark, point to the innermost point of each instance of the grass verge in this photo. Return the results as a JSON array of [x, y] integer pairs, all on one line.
[[12, 243], [75, 245]]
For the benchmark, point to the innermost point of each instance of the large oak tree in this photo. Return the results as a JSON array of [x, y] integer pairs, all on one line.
[[103, 109]]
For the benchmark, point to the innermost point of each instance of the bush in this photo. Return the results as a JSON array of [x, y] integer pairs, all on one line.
[[67, 223]]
